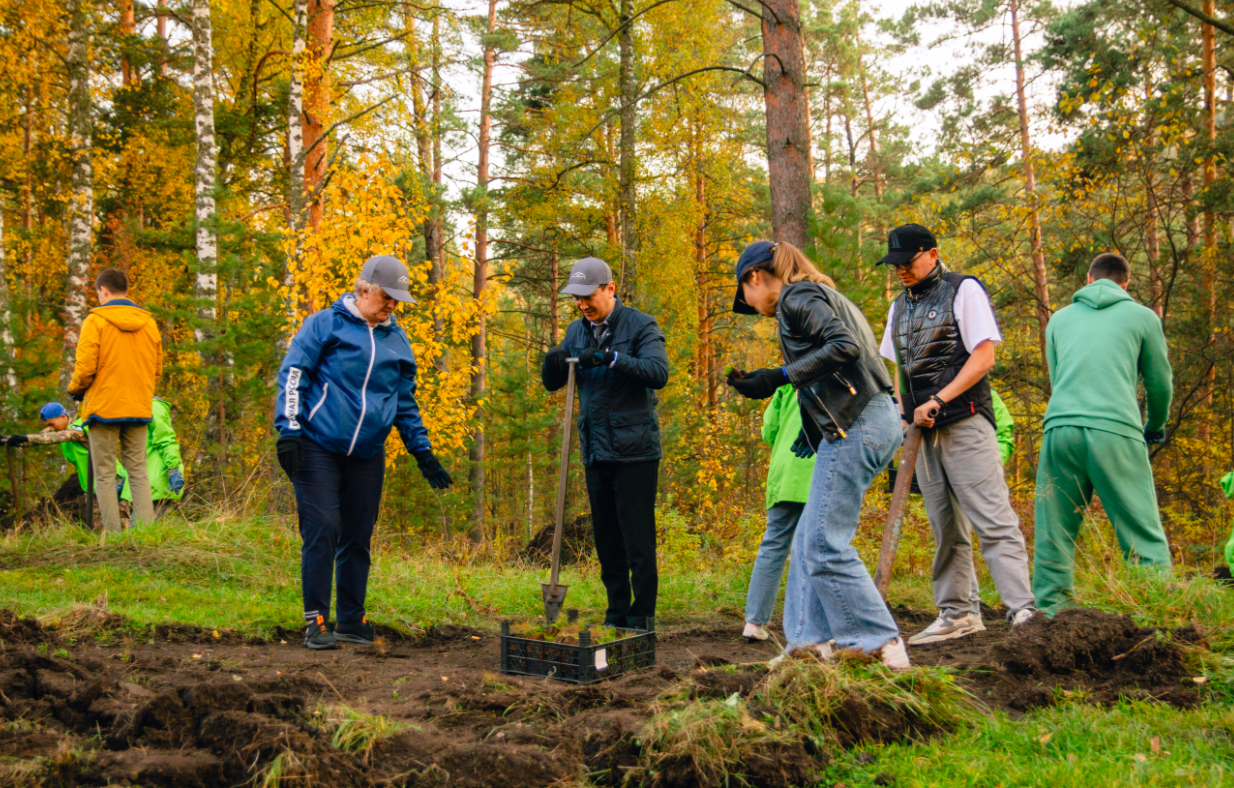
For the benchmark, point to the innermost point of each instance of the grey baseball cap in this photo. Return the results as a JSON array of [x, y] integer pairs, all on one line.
[[388, 272], [586, 275]]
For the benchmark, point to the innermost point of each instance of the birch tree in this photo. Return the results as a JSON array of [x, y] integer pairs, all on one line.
[[206, 284], [81, 206], [295, 161], [7, 373]]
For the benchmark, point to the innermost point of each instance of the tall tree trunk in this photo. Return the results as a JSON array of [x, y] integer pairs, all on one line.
[[1040, 273], [1208, 49], [435, 246], [479, 342], [704, 365], [788, 124], [629, 105], [424, 137], [317, 103], [160, 26], [7, 374], [295, 165], [81, 209], [206, 285], [1152, 234], [128, 33], [554, 309]]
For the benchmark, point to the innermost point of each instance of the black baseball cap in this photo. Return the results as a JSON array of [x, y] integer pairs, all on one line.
[[906, 242], [752, 255], [586, 275], [388, 272]]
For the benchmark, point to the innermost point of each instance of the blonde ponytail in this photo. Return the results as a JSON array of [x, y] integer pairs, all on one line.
[[791, 265]]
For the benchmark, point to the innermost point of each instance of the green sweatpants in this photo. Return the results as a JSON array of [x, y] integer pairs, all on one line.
[[1075, 462]]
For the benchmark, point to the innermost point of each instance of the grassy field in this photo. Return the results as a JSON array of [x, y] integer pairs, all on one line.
[[244, 575]]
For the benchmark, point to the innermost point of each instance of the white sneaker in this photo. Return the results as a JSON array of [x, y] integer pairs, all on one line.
[[755, 632], [895, 655], [946, 628], [1023, 616]]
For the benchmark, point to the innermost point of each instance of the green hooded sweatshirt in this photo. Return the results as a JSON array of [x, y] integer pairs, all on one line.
[[1004, 428], [1227, 486], [788, 476], [1098, 349], [162, 454]]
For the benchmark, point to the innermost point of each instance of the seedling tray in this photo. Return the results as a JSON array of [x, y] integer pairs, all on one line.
[[585, 663]]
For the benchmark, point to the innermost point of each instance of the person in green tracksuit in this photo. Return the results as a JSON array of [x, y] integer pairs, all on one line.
[[1098, 349], [1227, 486], [788, 488]]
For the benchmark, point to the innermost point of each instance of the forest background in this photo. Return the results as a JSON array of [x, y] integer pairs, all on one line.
[[241, 158]]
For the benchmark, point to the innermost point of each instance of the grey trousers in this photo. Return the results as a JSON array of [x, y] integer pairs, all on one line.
[[126, 443], [961, 479]]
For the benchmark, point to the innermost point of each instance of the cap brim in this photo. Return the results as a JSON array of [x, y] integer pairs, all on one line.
[[740, 306], [399, 295], [897, 258], [581, 290]]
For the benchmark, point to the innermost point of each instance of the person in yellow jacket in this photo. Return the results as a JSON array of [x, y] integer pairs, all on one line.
[[119, 359]]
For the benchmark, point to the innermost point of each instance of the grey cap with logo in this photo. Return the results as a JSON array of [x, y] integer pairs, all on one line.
[[586, 275], [388, 272]]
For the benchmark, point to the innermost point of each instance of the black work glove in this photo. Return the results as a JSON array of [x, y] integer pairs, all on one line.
[[591, 357], [16, 440], [430, 466], [1150, 436], [555, 361], [759, 384], [78, 397], [291, 453], [801, 447]]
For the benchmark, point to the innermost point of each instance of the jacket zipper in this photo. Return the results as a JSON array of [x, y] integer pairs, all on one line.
[[827, 410], [364, 389], [324, 391]]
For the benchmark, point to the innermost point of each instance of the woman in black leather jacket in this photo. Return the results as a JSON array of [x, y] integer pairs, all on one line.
[[850, 421]]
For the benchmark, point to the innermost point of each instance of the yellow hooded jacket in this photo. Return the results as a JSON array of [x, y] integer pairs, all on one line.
[[119, 359]]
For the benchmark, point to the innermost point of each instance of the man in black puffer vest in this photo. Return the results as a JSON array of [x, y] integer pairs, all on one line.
[[622, 361], [941, 333]]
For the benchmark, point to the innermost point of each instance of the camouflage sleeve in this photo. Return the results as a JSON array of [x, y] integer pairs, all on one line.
[[48, 437]]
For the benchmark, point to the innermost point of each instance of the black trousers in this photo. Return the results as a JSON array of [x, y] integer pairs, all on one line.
[[623, 515]]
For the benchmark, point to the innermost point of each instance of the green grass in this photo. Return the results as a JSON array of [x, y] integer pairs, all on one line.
[[245, 575], [1071, 746]]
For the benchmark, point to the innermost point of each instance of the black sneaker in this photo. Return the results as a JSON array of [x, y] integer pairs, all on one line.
[[318, 636], [355, 632]]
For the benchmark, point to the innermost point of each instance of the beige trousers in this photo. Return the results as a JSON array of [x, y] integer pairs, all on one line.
[[127, 443]]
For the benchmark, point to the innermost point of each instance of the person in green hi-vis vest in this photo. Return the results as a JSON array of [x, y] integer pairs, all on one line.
[[1227, 486], [165, 466]]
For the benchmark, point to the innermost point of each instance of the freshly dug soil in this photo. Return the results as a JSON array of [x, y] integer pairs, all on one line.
[[185, 707], [578, 542]]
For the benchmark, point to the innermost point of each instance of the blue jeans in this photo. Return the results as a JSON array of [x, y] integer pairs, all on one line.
[[769, 564], [337, 499], [830, 594]]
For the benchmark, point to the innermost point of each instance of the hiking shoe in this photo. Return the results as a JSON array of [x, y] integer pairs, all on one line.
[[1023, 616], [895, 655], [754, 632], [318, 636], [948, 628], [355, 632]]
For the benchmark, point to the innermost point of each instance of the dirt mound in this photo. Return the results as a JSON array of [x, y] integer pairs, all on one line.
[[15, 629], [577, 543], [1101, 655]]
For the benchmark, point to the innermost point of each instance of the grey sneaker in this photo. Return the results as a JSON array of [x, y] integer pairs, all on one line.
[[948, 628], [318, 636], [355, 632]]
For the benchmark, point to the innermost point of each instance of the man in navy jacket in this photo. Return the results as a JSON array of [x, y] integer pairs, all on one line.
[[621, 362], [348, 377]]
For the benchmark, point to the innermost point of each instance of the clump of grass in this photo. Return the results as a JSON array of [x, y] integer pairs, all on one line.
[[854, 693], [355, 731], [284, 766], [707, 740], [567, 634]]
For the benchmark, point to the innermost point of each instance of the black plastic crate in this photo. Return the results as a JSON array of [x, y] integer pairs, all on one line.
[[585, 663]]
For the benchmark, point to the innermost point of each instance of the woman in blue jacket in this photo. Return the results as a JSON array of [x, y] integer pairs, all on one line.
[[348, 377]]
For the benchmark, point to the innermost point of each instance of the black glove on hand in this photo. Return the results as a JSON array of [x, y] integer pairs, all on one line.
[[591, 357], [16, 440], [291, 453], [555, 360], [430, 466], [801, 447], [759, 384], [1150, 436]]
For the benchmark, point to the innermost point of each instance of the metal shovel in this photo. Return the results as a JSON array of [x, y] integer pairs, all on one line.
[[554, 593]]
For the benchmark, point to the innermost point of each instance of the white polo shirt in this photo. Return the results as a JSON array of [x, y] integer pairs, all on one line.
[[972, 311]]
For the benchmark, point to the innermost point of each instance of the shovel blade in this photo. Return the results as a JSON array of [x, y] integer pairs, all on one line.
[[554, 598]]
